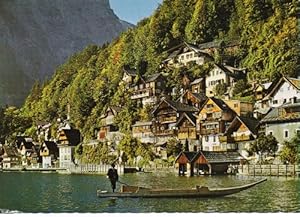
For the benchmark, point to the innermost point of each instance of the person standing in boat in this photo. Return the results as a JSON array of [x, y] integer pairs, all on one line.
[[112, 174]]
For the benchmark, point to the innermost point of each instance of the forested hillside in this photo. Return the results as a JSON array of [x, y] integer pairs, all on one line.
[[89, 81]]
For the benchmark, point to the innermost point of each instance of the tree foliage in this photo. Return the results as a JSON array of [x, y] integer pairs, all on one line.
[[265, 30], [264, 146], [291, 150]]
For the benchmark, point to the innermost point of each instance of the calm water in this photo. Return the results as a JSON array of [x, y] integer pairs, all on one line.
[[50, 192]]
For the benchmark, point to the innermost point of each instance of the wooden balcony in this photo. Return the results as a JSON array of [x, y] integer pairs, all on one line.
[[164, 133], [142, 93], [209, 131], [242, 138], [164, 120], [228, 139]]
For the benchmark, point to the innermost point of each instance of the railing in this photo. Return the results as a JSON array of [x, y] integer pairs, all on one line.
[[234, 138], [93, 168], [164, 132], [269, 170], [209, 131], [141, 93], [167, 119]]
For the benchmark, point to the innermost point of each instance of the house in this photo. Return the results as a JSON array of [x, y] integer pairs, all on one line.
[[186, 131], [10, 157], [67, 140], [148, 89], [212, 121], [206, 162], [166, 115], [261, 90], [184, 85], [192, 99], [43, 130], [184, 162], [282, 122], [240, 108], [185, 53], [282, 91], [222, 74], [107, 125], [239, 134], [27, 150], [129, 75], [142, 130], [198, 86], [49, 153]]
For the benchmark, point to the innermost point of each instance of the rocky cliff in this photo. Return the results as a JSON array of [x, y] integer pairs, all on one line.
[[38, 35]]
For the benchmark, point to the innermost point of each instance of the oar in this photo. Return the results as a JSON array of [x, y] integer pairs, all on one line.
[[123, 183]]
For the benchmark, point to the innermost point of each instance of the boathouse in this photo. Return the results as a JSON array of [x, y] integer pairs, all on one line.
[[206, 162]]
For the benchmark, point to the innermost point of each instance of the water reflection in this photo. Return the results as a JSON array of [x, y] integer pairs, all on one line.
[[36, 192]]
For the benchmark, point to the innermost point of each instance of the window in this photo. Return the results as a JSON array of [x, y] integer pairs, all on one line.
[[214, 139], [235, 105], [270, 133], [158, 83], [275, 102], [286, 134], [206, 138], [298, 132]]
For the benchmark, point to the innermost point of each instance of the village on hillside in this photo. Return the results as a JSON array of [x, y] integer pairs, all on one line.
[[213, 129]]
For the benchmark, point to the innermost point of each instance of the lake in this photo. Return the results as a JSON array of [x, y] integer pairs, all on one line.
[[33, 192]]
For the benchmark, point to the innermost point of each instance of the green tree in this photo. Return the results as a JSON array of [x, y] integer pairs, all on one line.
[[289, 153], [202, 26], [240, 87], [220, 89], [264, 146]]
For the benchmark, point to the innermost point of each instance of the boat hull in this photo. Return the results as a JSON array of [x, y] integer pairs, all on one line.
[[198, 192]]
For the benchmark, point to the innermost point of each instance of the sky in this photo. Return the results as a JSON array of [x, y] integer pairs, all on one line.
[[133, 11]]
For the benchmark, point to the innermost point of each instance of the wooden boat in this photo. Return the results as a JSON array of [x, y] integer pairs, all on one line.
[[199, 191]]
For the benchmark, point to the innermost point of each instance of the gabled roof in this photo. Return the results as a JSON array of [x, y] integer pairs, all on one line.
[[199, 96], [114, 109], [221, 156], [51, 146], [28, 145], [177, 106], [190, 155], [197, 81], [129, 71], [188, 116], [212, 156], [280, 114], [220, 103], [10, 151], [152, 78], [278, 83], [232, 71], [250, 123], [73, 136]]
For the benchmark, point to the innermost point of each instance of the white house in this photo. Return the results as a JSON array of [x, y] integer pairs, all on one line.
[[68, 139], [222, 74], [282, 91], [49, 153]]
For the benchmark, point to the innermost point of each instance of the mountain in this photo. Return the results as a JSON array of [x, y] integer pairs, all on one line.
[[265, 30], [38, 35]]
